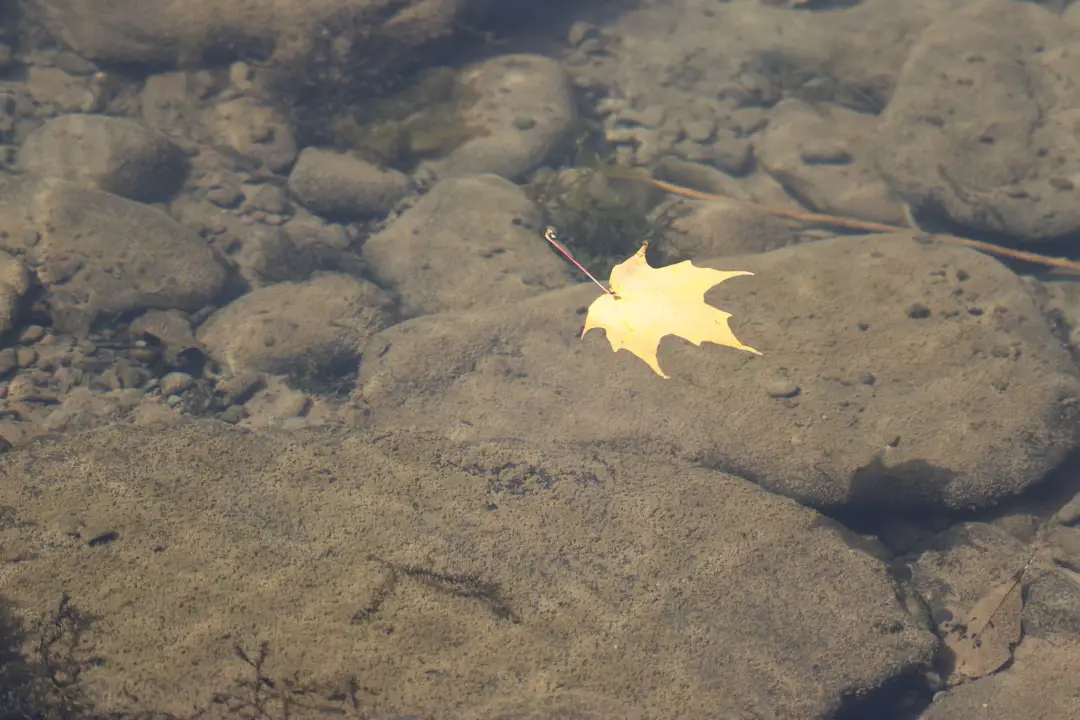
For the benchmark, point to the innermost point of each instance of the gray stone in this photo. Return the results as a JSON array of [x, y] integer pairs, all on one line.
[[969, 406], [14, 282], [112, 154], [338, 185], [716, 229], [823, 157], [171, 328], [981, 127], [288, 326], [524, 113], [252, 130], [175, 382], [469, 242], [526, 573], [95, 252]]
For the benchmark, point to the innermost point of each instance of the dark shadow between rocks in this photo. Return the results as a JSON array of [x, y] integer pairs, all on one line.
[[325, 370], [903, 698], [870, 511], [870, 484]]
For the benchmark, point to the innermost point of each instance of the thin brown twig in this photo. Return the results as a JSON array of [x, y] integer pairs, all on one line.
[[812, 218]]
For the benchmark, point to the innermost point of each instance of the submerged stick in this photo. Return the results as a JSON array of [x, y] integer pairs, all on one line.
[[812, 218]]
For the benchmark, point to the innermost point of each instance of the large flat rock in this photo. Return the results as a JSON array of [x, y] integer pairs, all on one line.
[[895, 374], [981, 129], [453, 580]]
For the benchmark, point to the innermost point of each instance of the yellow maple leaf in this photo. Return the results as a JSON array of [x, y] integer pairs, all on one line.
[[647, 303]]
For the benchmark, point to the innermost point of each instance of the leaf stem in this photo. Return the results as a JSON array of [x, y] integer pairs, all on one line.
[[549, 235]]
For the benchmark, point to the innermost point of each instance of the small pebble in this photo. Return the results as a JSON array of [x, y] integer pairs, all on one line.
[[579, 31], [746, 120], [692, 151], [733, 156], [25, 357], [782, 388], [241, 76], [146, 355], [225, 197], [292, 405], [522, 122], [233, 414], [31, 334], [270, 199], [175, 383], [29, 238], [699, 130], [826, 152], [8, 360]]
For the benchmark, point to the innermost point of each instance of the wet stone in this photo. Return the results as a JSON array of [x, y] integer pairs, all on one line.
[[782, 387], [175, 383]]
